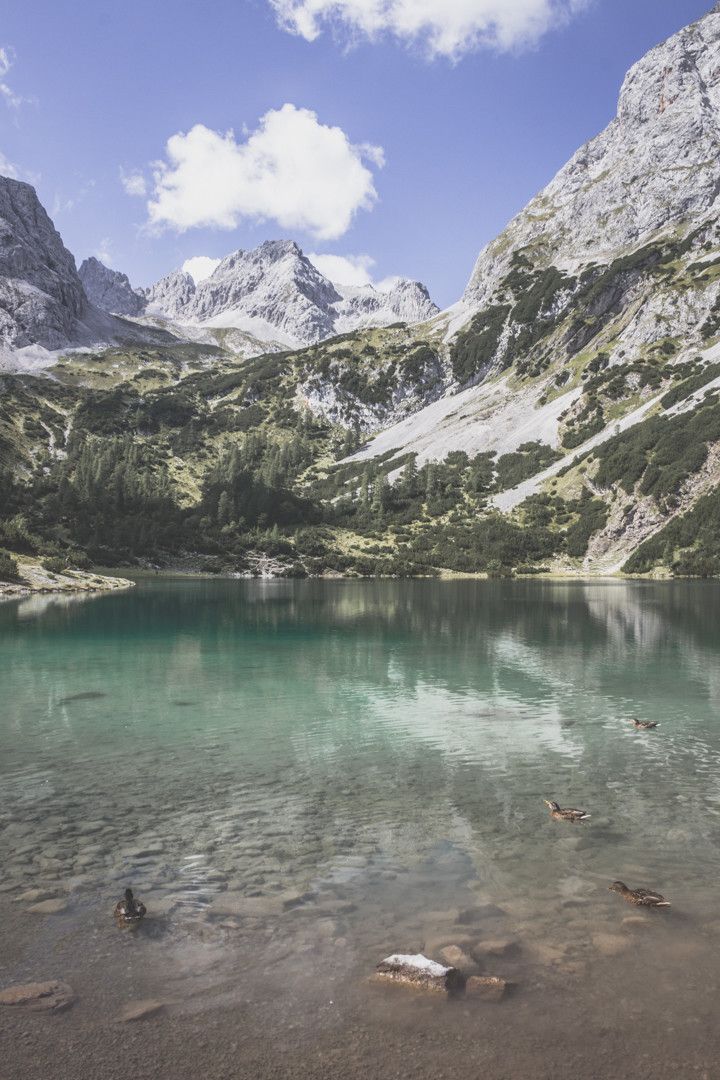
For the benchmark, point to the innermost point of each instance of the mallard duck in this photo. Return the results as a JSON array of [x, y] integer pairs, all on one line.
[[129, 909], [644, 725], [639, 897], [568, 814]]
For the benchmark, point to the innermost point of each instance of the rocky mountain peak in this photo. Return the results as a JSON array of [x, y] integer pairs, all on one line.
[[110, 290], [41, 296], [171, 295], [654, 168]]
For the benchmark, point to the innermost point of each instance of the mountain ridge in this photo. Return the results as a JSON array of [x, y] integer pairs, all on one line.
[[273, 292]]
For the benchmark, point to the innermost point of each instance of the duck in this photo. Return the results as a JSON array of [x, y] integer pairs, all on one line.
[[644, 725], [129, 910], [639, 897], [568, 814]]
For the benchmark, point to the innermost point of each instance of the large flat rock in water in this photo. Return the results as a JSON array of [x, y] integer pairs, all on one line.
[[419, 972]]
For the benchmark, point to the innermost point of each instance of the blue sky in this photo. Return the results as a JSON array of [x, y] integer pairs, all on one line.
[[90, 93]]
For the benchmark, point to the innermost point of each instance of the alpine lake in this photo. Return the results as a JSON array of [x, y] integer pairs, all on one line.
[[301, 778]]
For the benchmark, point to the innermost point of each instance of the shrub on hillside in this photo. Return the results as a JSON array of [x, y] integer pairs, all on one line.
[[8, 567], [54, 565]]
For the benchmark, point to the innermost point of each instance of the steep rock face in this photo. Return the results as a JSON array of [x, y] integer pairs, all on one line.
[[655, 167], [42, 300], [171, 296], [275, 283], [110, 290], [617, 258]]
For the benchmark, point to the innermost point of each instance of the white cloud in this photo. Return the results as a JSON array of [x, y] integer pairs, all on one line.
[[354, 270], [7, 59], [7, 168], [291, 170], [65, 205], [134, 183], [200, 267], [388, 283], [103, 253], [344, 269], [447, 28]]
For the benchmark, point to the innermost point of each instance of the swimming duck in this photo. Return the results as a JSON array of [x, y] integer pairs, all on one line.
[[129, 909], [644, 725], [559, 814], [639, 897]]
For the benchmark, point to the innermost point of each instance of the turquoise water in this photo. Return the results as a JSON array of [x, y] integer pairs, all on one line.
[[291, 772]]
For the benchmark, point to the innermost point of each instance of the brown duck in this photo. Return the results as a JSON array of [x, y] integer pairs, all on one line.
[[644, 725], [129, 910], [639, 897], [567, 814]]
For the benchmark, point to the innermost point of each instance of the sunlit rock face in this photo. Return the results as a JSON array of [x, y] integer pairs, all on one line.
[[171, 295], [655, 168]]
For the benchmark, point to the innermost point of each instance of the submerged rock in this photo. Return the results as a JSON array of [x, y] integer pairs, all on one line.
[[141, 1010], [34, 896], [51, 996], [49, 907], [637, 922], [499, 947], [478, 913], [610, 944], [458, 958], [232, 903], [419, 972], [486, 987]]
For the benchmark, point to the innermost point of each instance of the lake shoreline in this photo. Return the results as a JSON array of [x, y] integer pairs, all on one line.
[[143, 573], [36, 580]]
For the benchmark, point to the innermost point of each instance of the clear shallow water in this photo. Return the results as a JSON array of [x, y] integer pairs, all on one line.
[[299, 778]]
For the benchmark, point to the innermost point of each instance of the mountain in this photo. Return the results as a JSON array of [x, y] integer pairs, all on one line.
[[590, 324], [365, 306], [170, 296], [273, 293], [110, 290], [42, 301], [563, 415], [653, 173], [273, 289]]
